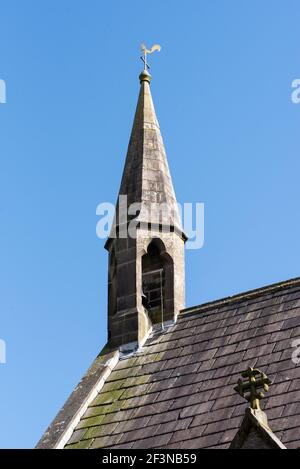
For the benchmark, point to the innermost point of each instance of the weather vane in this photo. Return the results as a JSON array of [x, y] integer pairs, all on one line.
[[148, 51]]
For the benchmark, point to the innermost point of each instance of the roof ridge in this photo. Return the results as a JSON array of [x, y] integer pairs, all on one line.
[[242, 296]]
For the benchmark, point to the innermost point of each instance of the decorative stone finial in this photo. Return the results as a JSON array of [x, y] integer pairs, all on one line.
[[145, 76], [248, 389]]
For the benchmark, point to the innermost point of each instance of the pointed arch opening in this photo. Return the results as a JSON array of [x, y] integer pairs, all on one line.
[[158, 282]]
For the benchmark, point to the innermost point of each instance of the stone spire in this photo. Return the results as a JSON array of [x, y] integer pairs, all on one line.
[[146, 246], [146, 177]]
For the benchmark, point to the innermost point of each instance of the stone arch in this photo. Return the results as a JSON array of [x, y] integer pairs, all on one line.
[[158, 282]]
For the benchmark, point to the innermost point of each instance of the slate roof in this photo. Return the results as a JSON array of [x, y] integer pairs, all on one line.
[[177, 392]]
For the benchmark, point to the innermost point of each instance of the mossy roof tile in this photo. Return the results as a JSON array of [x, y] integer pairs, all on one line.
[[178, 390]]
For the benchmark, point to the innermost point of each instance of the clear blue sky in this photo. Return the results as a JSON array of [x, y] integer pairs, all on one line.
[[221, 86]]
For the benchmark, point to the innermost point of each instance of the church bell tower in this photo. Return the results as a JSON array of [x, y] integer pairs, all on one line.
[[146, 279]]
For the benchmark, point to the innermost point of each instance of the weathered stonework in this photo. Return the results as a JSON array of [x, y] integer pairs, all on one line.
[[147, 182], [255, 433]]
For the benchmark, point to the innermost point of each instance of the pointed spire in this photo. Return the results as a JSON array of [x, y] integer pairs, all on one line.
[[146, 245], [146, 177]]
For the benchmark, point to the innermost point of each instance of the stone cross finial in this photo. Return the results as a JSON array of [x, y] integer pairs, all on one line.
[[249, 389]]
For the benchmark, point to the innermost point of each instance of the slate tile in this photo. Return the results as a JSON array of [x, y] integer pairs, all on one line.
[[174, 426], [132, 424], [113, 385], [251, 343], [290, 374], [239, 408], [187, 434], [196, 409], [124, 373], [102, 430], [275, 413], [226, 402], [231, 321], [295, 386], [161, 375], [172, 353], [283, 345], [222, 426], [224, 391], [264, 361], [239, 337], [138, 434], [179, 392], [227, 436], [296, 332], [131, 381], [213, 384], [228, 360], [176, 445], [238, 328], [139, 401], [127, 363], [226, 350], [82, 444], [266, 320], [212, 416], [191, 400], [280, 335], [216, 447], [179, 361], [291, 323], [206, 366], [76, 436], [123, 446], [182, 370], [180, 386], [202, 442], [165, 417], [152, 368], [283, 399], [184, 380], [135, 391], [151, 409], [163, 385], [195, 347], [280, 366], [280, 388], [117, 416], [102, 410], [290, 312], [291, 409], [152, 442], [291, 435], [292, 444], [251, 316], [264, 330], [286, 423], [105, 441], [218, 342], [287, 354], [89, 422], [224, 372], [108, 397], [266, 349]]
